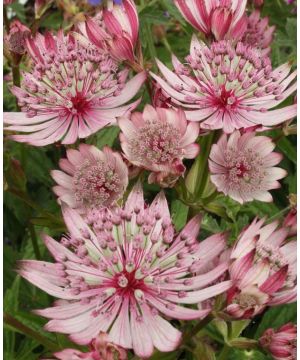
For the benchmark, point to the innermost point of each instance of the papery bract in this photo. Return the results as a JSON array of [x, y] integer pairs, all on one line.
[[125, 271], [281, 343], [114, 30], [222, 19], [243, 166], [259, 34], [228, 87], [158, 140], [90, 179], [263, 270], [71, 92]]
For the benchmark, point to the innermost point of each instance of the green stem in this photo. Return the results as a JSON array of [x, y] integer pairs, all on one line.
[[5, 19], [224, 353], [150, 42], [279, 214], [34, 241], [16, 324], [194, 331]]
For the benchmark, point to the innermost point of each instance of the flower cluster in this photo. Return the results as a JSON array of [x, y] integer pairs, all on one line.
[[226, 86], [263, 270], [158, 140], [243, 166], [127, 261], [72, 92], [281, 343]]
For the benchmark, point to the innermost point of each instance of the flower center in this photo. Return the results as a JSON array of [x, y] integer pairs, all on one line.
[[156, 143], [225, 98], [95, 183], [127, 284], [246, 300], [244, 169], [79, 104]]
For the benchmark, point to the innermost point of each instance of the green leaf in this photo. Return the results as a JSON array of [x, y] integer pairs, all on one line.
[[179, 213], [106, 136], [164, 356], [288, 149], [277, 316]]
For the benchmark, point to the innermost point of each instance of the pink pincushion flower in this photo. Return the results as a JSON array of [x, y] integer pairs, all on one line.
[[71, 92], [91, 178], [281, 343], [259, 34], [124, 272], [228, 86], [222, 19], [101, 349], [114, 30], [263, 270], [243, 166], [158, 140]]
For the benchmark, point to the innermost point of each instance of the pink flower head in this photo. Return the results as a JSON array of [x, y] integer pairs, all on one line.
[[124, 272], [158, 140], [15, 39], [222, 19], [259, 34], [90, 178], [243, 166], [290, 221], [263, 270], [281, 343], [101, 349], [228, 87], [71, 92], [114, 30]]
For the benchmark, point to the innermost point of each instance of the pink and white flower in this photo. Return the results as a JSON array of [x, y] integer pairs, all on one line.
[[226, 86], [71, 92], [263, 270], [90, 178], [281, 343], [259, 34], [114, 30], [158, 140], [101, 349], [221, 19], [243, 166], [124, 272]]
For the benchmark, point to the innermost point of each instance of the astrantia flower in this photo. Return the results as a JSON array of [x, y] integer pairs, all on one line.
[[243, 166], [101, 349], [259, 34], [91, 178], [222, 19], [125, 271], [114, 30], [71, 92], [281, 343], [228, 87], [263, 270], [158, 140]]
